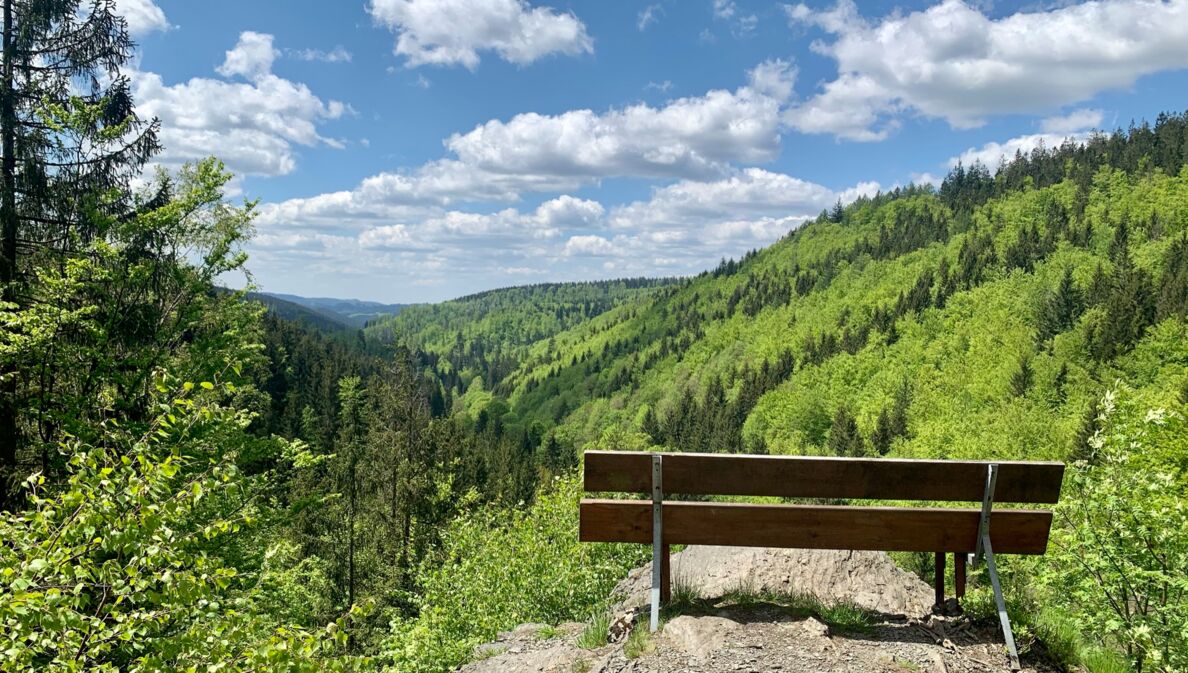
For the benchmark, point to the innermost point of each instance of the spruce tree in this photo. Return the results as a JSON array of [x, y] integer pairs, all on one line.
[[1173, 284], [883, 436], [71, 144], [844, 438], [1061, 308]]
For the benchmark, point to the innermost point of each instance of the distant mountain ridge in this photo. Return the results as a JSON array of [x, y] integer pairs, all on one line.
[[353, 313]]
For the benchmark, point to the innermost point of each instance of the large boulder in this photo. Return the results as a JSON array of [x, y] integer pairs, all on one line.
[[870, 580]]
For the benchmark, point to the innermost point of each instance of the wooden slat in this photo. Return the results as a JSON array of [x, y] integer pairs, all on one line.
[[815, 526], [810, 477]]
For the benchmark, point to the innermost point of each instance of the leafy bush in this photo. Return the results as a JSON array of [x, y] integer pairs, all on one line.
[[498, 569], [119, 568], [1119, 556]]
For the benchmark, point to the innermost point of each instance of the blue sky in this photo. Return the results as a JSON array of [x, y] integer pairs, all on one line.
[[416, 150]]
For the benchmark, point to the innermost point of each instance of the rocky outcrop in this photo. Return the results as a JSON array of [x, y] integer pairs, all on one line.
[[724, 635], [867, 579]]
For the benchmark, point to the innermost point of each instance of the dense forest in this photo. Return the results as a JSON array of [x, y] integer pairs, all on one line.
[[193, 480]]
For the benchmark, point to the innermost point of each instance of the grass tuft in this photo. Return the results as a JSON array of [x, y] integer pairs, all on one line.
[[546, 633], [595, 633], [638, 643]]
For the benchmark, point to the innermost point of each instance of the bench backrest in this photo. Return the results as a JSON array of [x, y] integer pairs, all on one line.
[[1019, 531]]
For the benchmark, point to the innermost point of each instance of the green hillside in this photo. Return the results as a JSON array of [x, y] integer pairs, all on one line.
[[990, 314], [489, 334]]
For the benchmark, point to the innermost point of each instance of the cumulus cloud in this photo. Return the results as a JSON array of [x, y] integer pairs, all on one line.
[[453, 32], [952, 62], [143, 16], [251, 57], [688, 137], [253, 126], [589, 245]]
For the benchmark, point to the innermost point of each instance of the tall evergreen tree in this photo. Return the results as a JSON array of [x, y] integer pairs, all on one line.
[[1061, 307], [844, 438], [1173, 284], [71, 143], [1023, 377]]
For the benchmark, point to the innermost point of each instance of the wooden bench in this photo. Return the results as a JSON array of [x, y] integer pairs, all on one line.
[[977, 532]]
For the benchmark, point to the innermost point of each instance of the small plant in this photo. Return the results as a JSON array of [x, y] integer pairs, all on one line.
[[638, 643], [580, 666], [744, 592], [546, 633], [488, 652], [685, 593], [846, 617], [594, 635], [838, 615]]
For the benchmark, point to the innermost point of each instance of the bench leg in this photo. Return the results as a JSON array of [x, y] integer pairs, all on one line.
[[998, 599], [659, 550], [959, 574], [940, 579]]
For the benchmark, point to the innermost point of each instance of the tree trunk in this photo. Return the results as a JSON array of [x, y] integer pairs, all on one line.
[[8, 259]]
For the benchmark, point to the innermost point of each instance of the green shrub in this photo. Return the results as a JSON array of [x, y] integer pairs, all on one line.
[[1118, 561], [499, 568]]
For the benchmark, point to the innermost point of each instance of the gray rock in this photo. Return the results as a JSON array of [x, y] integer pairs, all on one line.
[[870, 580]]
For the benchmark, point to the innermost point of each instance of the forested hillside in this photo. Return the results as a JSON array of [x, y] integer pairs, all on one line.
[[1037, 312], [478, 340]]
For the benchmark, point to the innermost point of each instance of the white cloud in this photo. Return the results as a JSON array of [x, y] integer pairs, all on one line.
[[688, 137], [252, 126], [1073, 122], [749, 194], [647, 16], [251, 57], [143, 16], [589, 245], [453, 32], [338, 54], [954, 63]]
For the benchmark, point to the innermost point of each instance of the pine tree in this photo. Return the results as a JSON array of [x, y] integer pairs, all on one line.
[[1059, 382], [1023, 377], [71, 143], [1129, 310], [1061, 308], [1173, 283], [883, 436], [838, 212], [651, 427], [844, 438]]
